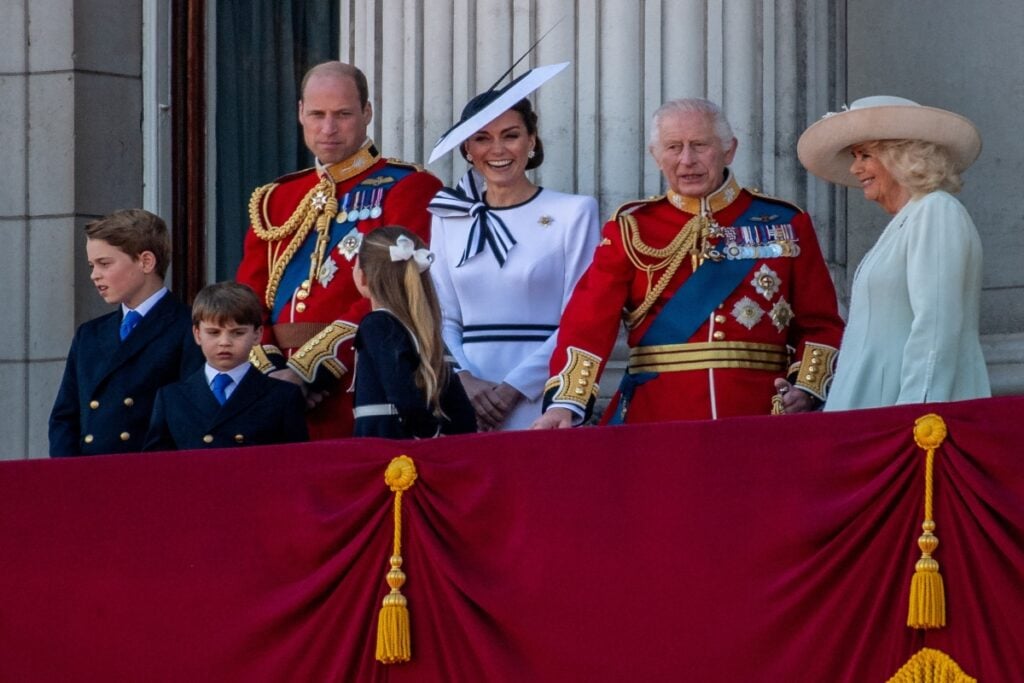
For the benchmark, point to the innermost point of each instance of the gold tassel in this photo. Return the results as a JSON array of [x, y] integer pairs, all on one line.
[[931, 666], [393, 640], [927, 594]]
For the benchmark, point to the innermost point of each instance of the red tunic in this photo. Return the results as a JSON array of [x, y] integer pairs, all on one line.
[[780, 320], [310, 324]]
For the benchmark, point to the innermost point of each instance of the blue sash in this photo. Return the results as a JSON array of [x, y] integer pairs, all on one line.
[[298, 268], [683, 315], [694, 301]]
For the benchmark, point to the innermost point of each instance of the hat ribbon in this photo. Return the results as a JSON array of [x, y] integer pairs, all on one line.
[[487, 229]]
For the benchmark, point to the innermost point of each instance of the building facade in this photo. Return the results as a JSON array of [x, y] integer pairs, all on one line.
[[85, 97]]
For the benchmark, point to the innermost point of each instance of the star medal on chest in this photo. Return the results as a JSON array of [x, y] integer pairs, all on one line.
[[320, 200], [350, 243], [326, 272]]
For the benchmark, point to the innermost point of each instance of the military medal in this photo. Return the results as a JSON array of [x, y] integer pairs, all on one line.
[[343, 213], [376, 211], [353, 215], [327, 271], [364, 212]]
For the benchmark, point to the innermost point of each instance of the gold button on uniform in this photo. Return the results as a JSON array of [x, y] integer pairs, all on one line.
[[125, 436], [208, 438], [300, 307], [718, 335], [94, 404], [129, 402], [719, 318], [239, 438], [88, 438]]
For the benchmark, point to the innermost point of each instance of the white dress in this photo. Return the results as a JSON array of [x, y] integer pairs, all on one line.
[[500, 323], [912, 336]]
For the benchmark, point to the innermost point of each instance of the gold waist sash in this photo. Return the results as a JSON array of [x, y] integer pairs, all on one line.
[[705, 355]]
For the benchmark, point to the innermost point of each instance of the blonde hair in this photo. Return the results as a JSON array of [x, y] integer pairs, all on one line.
[[409, 294], [919, 166]]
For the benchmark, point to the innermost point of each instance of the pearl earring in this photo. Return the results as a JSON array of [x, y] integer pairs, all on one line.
[[469, 158], [531, 154]]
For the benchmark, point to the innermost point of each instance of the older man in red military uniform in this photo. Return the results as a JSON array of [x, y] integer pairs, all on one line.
[[304, 234], [724, 293]]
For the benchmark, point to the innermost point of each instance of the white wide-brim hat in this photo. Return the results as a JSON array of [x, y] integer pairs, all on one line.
[[489, 105], [824, 147]]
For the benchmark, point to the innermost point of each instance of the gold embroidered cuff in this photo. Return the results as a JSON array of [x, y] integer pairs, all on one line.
[[577, 382], [816, 368], [260, 358], [321, 352]]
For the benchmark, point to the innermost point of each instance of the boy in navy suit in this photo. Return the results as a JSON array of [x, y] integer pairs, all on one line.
[[227, 402], [119, 360]]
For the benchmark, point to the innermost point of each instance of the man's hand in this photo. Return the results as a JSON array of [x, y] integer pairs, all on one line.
[[794, 400], [554, 418]]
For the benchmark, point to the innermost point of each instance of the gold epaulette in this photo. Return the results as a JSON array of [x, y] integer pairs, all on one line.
[[406, 164], [321, 352], [815, 370], [762, 195], [634, 204]]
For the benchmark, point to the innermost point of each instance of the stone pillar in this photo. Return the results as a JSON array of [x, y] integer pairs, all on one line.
[[70, 111]]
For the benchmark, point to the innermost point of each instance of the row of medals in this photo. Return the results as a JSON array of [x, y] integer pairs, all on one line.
[[366, 204], [363, 207]]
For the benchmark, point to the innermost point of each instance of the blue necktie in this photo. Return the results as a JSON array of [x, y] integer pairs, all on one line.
[[129, 322], [220, 384]]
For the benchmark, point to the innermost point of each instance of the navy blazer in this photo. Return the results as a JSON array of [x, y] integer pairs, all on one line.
[[259, 411], [106, 395]]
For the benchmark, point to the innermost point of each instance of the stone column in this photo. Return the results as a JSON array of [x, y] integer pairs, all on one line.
[[70, 112]]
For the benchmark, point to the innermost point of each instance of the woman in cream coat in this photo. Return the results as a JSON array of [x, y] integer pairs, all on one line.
[[912, 333]]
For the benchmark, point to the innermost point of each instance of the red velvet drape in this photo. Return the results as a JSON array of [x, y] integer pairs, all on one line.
[[756, 549]]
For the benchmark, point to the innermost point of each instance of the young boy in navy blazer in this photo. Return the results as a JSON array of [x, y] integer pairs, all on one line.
[[227, 402], [119, 360]]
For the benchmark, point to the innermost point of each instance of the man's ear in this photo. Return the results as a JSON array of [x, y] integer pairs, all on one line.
[[730, 151], [148, 261]]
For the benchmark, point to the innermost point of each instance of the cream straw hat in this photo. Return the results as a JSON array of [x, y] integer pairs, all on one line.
[[824, 147]]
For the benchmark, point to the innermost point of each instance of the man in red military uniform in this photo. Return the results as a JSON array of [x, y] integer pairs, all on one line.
[[304, 234], [724, 293]]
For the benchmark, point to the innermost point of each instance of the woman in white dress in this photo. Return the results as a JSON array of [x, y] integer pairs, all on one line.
[[912, 334], [508, 254]]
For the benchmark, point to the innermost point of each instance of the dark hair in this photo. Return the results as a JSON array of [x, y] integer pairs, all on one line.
[[134, 231], [339, 70], [401, 288], [525, 110], [227, 302]]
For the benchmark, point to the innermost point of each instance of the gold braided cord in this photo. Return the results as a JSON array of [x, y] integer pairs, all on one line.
[[257, 212], [306, 215], [684, 243]]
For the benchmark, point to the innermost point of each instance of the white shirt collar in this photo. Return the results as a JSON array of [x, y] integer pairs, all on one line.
[[147, 305], [237, 373]]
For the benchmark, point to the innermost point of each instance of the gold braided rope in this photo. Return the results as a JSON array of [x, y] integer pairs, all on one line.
[[683, 244], [270, 232], [305, 217]]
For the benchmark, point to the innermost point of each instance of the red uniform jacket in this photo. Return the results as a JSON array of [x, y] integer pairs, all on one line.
[[311, 317], [780, 320]]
